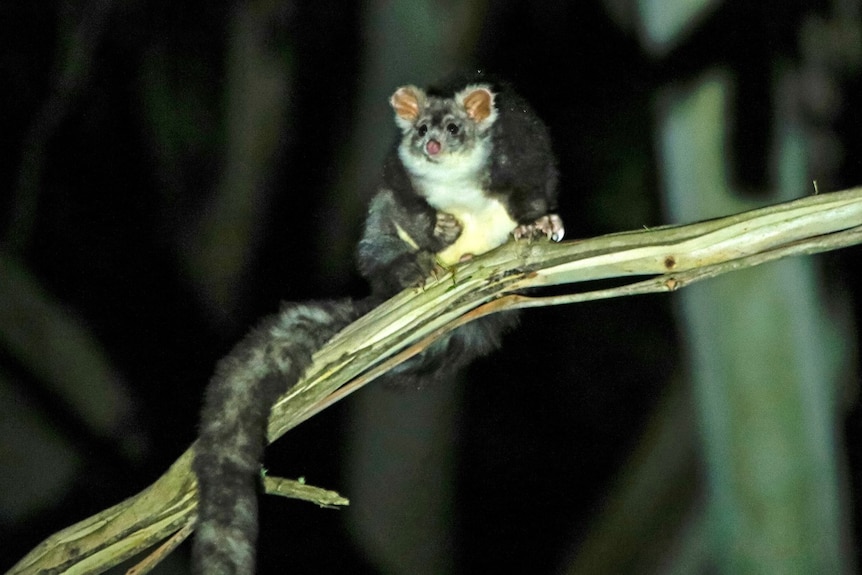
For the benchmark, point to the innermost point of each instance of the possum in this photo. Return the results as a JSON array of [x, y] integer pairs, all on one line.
[[472, 167]]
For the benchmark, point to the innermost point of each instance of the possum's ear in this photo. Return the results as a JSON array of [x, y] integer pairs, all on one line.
[[478, 102], [407, 101]]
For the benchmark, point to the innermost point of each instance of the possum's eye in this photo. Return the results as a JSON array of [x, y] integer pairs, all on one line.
[[423, 129], [452, 128]]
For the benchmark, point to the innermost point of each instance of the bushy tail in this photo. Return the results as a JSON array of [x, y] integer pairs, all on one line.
[[228, 454]]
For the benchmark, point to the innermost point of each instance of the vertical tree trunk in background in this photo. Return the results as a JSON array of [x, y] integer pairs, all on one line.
[[765, 358], [766, 355], [400, 450], [225, 236]]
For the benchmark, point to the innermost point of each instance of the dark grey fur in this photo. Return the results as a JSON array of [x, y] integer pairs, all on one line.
[[391, 265], [229, 451], [523, 170]]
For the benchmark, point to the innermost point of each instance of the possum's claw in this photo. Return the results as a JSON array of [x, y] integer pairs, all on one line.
[[550, 226], [447, 228]]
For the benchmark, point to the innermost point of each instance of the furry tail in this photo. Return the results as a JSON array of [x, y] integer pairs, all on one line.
[[228, 454]]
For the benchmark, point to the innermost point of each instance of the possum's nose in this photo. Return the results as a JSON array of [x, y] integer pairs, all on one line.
[[432, 147]]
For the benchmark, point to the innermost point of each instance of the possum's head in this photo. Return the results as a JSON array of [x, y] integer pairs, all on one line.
[[444, 130]]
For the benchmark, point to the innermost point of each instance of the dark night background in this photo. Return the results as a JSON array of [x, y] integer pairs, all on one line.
[[112, 161]]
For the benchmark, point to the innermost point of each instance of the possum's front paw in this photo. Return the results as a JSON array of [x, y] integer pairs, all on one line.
[[550, 226], [447, 228]]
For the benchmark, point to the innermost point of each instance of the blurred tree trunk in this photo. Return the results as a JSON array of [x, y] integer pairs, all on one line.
[[766, 359], [401, 514], [226, 234]]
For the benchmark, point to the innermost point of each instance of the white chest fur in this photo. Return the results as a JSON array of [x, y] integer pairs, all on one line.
[[481, 231], [453, 186], [485, 223]]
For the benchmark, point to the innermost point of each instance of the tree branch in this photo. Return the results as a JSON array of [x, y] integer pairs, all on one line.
[[671, 257]]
